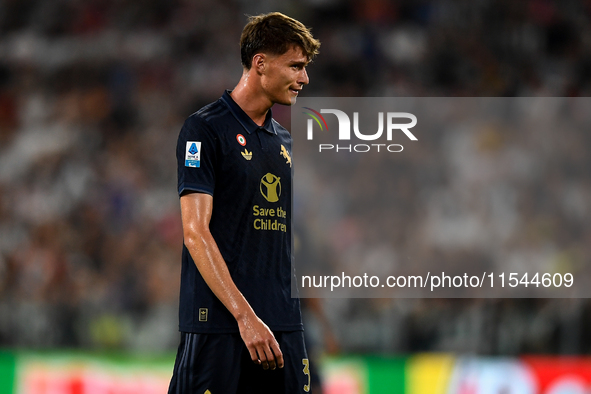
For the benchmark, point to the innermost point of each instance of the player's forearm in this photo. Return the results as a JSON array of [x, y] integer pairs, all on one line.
[[214, 271], [196, 211]]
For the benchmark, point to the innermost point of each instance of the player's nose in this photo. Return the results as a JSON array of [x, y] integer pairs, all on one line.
[[303, 77]]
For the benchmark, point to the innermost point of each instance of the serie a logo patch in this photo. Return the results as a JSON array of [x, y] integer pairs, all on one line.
[[193, 154]]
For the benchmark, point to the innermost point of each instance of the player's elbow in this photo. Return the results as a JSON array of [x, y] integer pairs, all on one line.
[[195, 236]]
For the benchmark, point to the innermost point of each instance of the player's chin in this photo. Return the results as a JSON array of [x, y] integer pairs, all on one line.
[[291, 100], [293, 96]]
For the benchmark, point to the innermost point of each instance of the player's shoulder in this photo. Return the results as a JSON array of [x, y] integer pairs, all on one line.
[[280, 129], [209, 114], [206, 121], [283, 134]]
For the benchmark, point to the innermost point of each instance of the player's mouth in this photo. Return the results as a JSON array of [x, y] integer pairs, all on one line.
[[294, 91]]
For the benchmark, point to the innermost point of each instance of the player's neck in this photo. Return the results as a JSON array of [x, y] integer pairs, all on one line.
[[251, 100]]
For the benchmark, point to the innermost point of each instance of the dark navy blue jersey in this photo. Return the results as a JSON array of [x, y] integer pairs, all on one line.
[[247, 169]]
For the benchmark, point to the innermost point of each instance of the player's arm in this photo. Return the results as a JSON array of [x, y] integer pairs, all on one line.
[[196, 211]]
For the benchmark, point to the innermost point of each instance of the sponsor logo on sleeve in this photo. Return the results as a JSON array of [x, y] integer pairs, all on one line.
[[193, 154]]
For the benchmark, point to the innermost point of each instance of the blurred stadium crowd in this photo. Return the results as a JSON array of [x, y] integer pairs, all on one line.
[[93, 94]]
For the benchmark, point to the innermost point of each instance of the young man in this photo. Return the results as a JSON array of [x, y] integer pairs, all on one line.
[[241, 332]]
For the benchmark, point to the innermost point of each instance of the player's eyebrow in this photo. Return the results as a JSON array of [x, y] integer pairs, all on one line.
[[299, 63]]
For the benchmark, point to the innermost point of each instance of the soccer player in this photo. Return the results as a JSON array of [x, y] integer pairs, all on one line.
[[241, 332]]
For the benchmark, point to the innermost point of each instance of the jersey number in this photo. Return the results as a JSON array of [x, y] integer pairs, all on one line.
[[306, 370]]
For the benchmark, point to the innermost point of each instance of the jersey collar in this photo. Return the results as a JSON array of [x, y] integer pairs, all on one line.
[[249, 125]]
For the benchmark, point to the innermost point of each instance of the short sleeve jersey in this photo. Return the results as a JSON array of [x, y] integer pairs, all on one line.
[[247, 169]]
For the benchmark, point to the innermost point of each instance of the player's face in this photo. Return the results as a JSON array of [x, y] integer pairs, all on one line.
[[285, 75]]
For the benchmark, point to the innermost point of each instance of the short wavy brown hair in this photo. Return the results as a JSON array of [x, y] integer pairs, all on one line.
[[274, 33]]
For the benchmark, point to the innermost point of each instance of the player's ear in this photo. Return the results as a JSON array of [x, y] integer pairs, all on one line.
[[259, 62]]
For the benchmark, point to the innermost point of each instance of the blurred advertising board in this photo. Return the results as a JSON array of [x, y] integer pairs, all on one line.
[[82, 373], [90, 373], [447, 374], [565, 375]]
